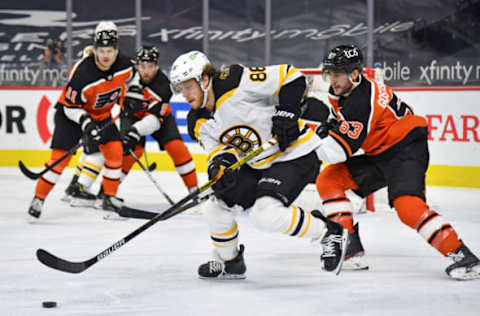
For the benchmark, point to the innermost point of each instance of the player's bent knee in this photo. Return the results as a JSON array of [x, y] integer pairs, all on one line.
[[215, 211], [264, 212]]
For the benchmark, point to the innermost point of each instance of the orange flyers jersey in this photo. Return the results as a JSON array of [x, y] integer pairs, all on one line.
[[94, 90], [156, 93], [371, 118]]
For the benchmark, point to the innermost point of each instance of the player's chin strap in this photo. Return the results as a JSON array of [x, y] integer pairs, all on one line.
[[205, 92]]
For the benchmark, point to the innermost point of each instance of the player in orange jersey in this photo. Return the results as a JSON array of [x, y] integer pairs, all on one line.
[[152, 115], [95, 84], [378, 141]]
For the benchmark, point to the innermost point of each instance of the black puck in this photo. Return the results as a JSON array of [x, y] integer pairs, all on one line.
[[49, 304]]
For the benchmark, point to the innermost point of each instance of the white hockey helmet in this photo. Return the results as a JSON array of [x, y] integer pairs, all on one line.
[[188, 66], [105, 26], [106, 34]]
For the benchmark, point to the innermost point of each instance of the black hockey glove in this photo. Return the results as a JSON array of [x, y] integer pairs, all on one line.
[[91, 134], [324, 127], [133, 102], [130, 140], [285, 125], [218, 166]]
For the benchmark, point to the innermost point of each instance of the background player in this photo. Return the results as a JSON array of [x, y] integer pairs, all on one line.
[[233, 112], [374, 121], [149, 113], [94, 85]]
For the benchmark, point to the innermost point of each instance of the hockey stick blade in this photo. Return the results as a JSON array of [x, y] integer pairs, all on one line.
[[27, 172], [57, 263], [152, 167]]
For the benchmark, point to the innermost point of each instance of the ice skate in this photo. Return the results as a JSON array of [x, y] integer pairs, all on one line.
[[99, 199], [224, 270], [81, 197], [334, 244], [69, 190], [466, 265], [35, 209], [112, 205], [354, 255]]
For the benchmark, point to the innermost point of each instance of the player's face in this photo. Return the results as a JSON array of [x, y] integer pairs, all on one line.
[[147, 70], [106, 56], [192, 93], [339, 81]]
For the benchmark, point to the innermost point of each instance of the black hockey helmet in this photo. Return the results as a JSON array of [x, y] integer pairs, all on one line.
[[147, 53], [344, 57], [106, 38]]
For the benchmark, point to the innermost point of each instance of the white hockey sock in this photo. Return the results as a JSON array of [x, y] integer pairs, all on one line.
[[269, 214], [223, 228], [92, 166]]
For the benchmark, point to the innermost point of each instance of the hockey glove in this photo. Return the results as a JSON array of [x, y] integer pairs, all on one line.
[[285, 125], [130, 140], [218, 167], [324, 127], [91, 134], [133, 102]]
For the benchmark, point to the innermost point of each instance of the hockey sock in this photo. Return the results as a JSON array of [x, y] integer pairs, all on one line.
[[128, 160], [414, 212], [47, 181], [332, 182], [340, 210], [112, 152], [91, 167], [223, 228], [269, 214], [79, 167], [183, 162]]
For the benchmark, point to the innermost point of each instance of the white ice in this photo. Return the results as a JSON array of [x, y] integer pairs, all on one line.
[[155, 273]]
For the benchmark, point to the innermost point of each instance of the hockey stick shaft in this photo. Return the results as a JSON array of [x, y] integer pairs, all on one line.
[[34, 176], [149, 175], [130, 212], [57, 263]]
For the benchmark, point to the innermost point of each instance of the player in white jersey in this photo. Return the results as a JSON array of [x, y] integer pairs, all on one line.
[[233, 112]]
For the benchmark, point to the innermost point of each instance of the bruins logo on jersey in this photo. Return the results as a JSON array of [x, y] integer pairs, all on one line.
[[242, 137]]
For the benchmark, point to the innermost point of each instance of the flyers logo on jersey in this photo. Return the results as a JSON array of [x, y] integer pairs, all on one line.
[[107, 98], [242, 137]]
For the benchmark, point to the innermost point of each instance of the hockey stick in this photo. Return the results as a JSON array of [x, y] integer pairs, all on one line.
[[131, 212], [149, 175], [57, 263], [34, 176]]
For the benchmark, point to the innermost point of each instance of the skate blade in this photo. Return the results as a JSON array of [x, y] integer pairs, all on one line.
[[344, 251], [81, 203], [355, 264], [226, 277], [462, 274], [112, 216]]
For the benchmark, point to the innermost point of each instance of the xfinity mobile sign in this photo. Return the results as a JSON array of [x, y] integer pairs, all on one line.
[[413, 51]]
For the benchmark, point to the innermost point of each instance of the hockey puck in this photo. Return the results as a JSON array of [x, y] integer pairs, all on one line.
[[49, 304]]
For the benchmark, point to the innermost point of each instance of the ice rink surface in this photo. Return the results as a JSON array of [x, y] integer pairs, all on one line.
[[155, 273]]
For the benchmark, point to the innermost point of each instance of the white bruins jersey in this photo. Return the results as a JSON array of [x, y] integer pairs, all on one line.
[[245, 100]]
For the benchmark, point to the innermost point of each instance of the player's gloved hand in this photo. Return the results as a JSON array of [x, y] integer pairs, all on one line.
[[324, 127], [285, 125], [218, 167], [91, 134], [130, 139], [133, 102]]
